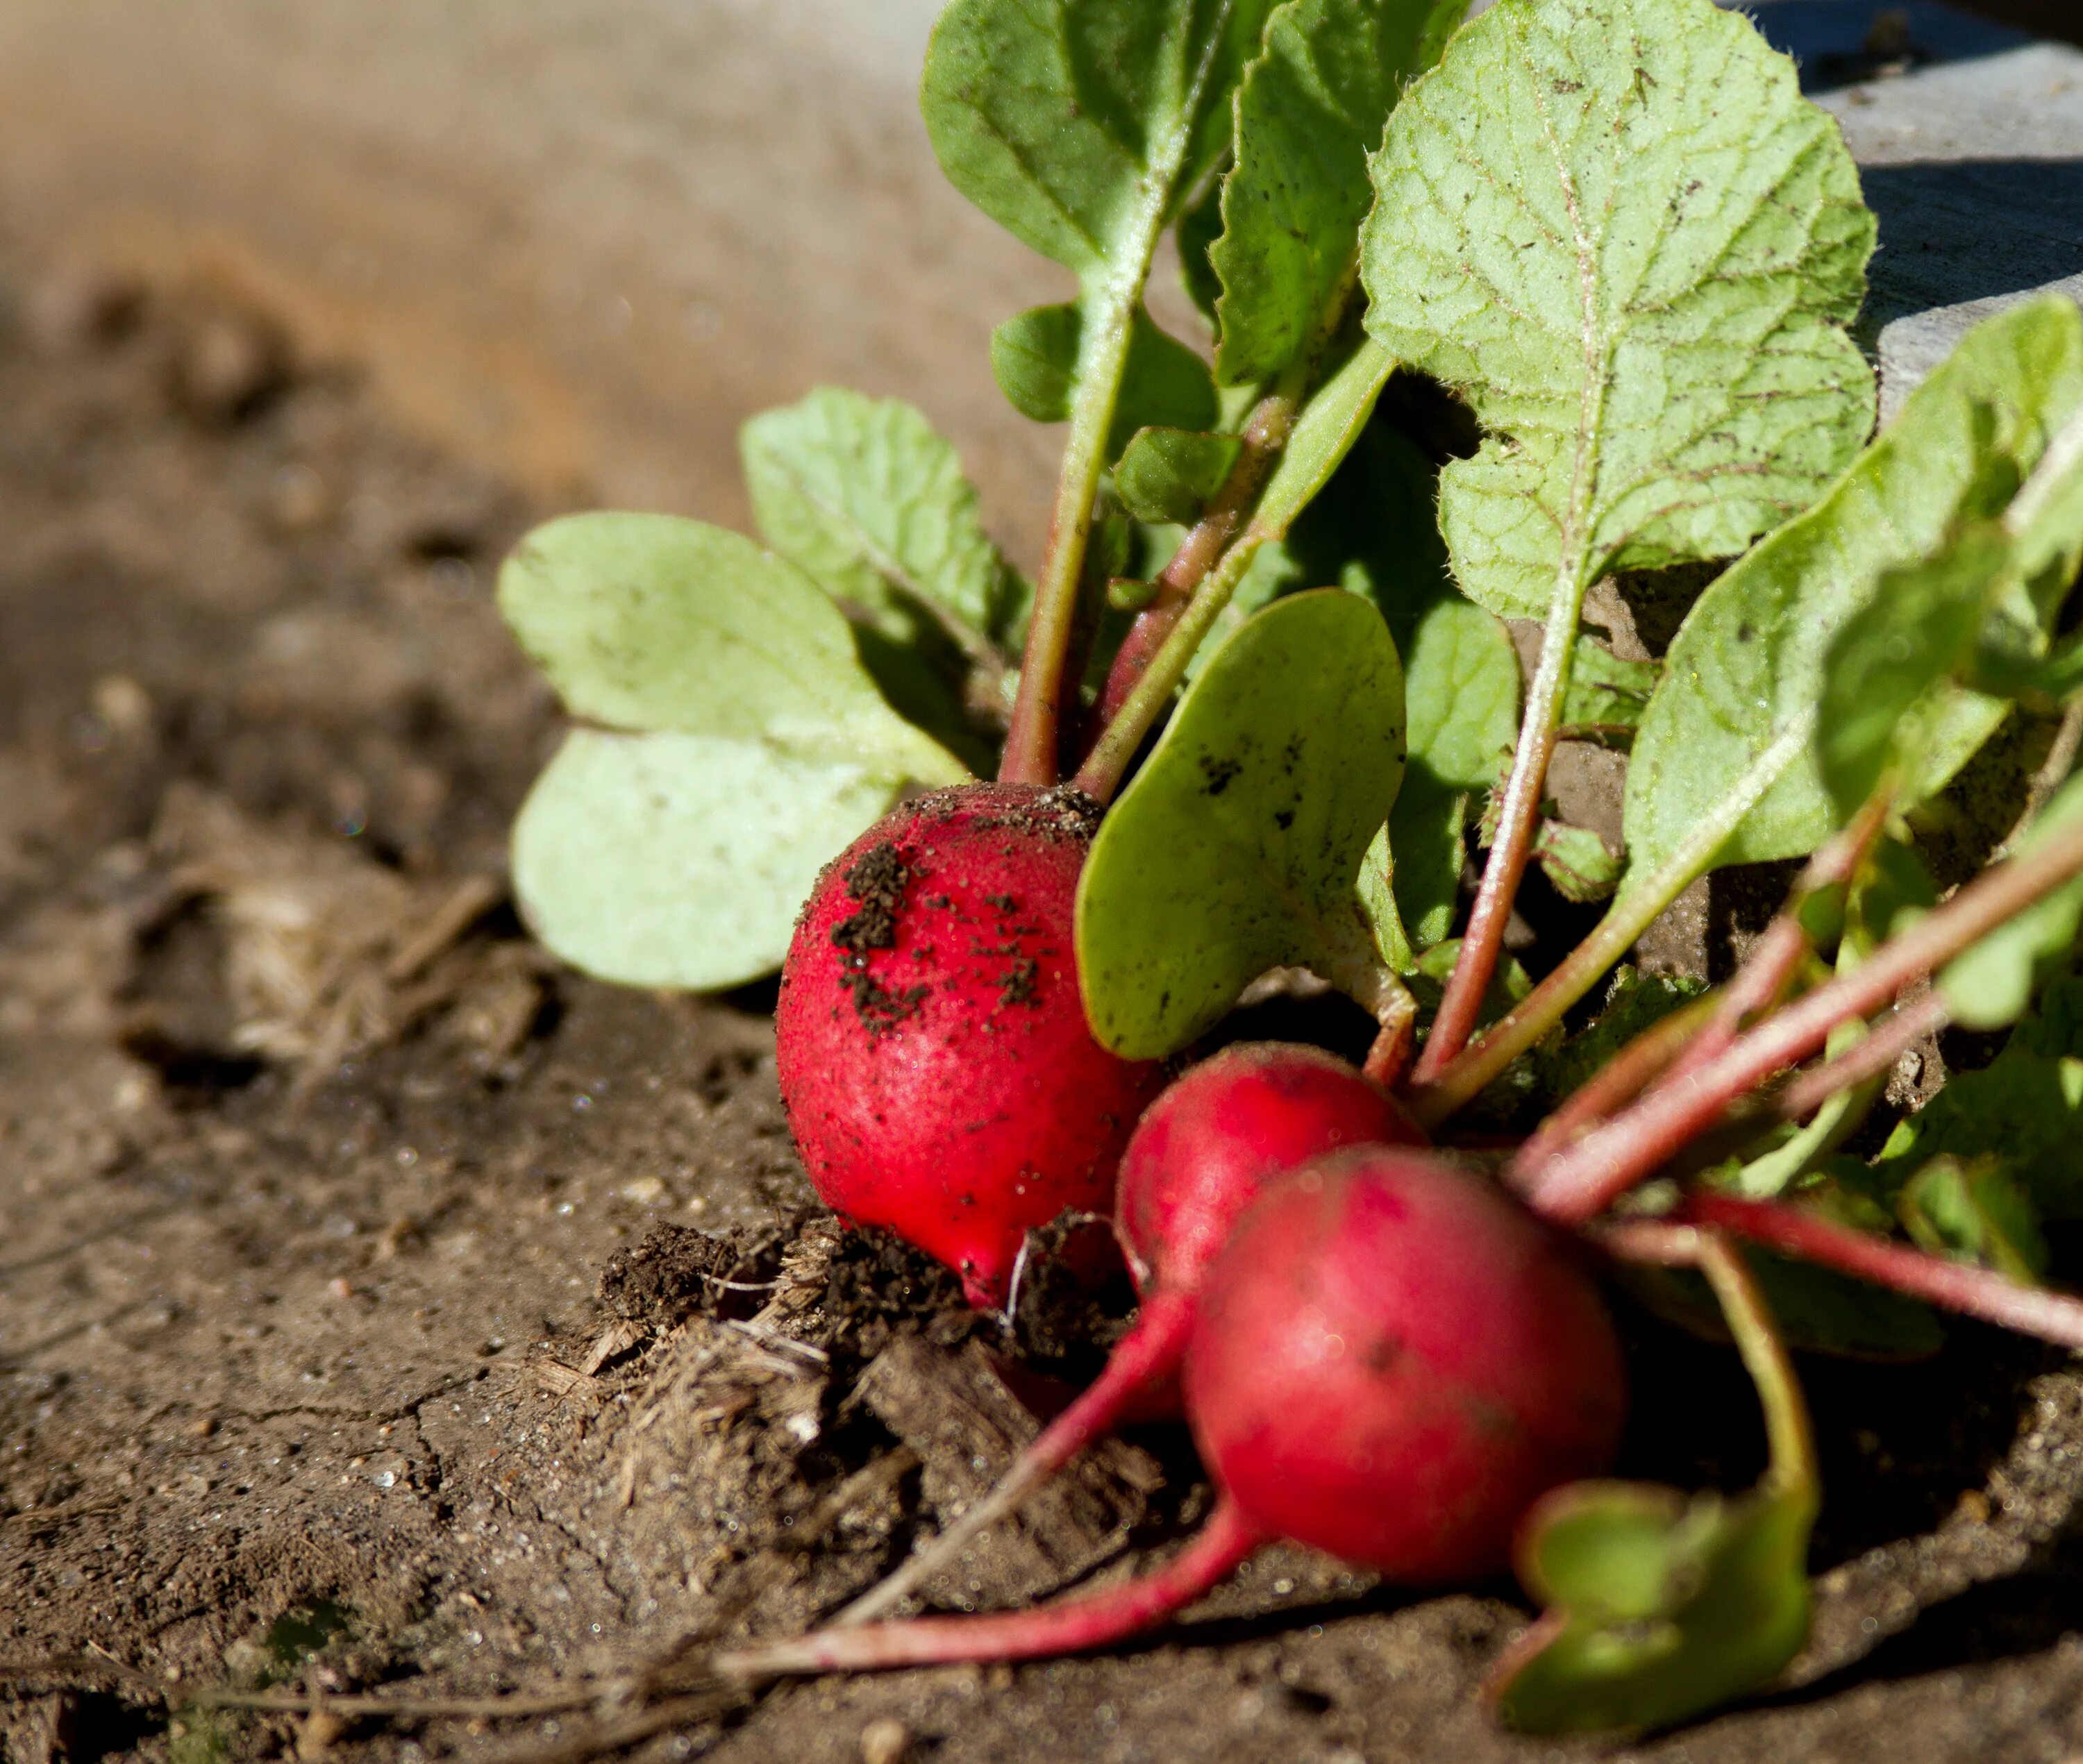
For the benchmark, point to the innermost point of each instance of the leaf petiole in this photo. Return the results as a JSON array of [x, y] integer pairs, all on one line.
[[1031, 742]]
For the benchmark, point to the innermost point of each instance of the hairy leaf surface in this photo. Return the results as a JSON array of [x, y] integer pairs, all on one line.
[[1620, 228], [1080, 125], [1309, 111], [1724, 769]]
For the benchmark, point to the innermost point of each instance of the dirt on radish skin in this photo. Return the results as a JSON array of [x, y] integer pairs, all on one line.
[[1203, 1152], [933, 1051], [1391, 1361]]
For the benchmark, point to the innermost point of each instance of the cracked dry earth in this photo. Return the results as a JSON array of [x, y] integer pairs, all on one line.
[[385, 1310]]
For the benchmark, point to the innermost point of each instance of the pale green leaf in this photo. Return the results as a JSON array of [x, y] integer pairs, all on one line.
[[648, 621], [673, 859], [1975, 1210], [1620, 228], [1081, 126], [1723, 769], [1310, 110], [871, 502], [1237, 847]]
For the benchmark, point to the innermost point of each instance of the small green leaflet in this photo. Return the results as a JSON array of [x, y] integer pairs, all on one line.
[[1034, 356], [737, 745], [1723, 769], [1608, 693], [1168, 475], [2025, 1107], [864, 496], [1310, 110], [1992, 984], [1620, 228], [1890, 653], [1973, 1210], [1080, 125], [1236, 847], [1659, 1606]]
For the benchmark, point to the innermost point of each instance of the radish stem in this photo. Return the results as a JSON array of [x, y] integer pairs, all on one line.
[[1076, 1625], [1960, 1286], [1580, 1181], [1147, 1351]]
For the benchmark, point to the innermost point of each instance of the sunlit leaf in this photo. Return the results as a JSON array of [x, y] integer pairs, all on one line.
[[1237, 847]]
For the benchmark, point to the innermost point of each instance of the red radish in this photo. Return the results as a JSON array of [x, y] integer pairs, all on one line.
[[934, 1058], [1391, 1362], [1200, 1156]]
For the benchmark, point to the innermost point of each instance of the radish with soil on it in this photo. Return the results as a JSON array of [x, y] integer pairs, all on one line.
[[1201, 1154], [933, 1056], [1390, 1360]]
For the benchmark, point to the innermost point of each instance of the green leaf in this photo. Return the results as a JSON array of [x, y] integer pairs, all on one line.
[[1973, 1210], [1619, 228], [1660, 1607], [1634, 1002], [1168, 475], [1198, 229], [1723, 770], [866, 497], [1035, 356], [1608, 693], [1575, 860], [744, 746], [1310, 110], [2025, 1107], [1081, 126], [1820, 1310], [648, 621], [1992, 984], [1236, 848], [1891, 655], [671, 859]]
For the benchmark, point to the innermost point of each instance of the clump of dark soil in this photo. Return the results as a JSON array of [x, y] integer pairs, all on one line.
[[384, 1309]]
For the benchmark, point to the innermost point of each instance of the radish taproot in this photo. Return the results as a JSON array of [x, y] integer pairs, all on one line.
[[1200, 1154], [1390, 1361], [933, 1051]]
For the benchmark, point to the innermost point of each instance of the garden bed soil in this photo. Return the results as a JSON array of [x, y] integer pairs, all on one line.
[[386, 1311]]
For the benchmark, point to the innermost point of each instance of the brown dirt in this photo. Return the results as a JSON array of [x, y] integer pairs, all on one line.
[[384, 1309]]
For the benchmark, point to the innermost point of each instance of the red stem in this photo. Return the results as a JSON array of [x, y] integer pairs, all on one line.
[[1265, 435], [1974, 1292], [1580, 1181], [1620, 1081], [1149, 1352], [1769, 970], [1511, 847], [1077, 1626], [1883, 1047]]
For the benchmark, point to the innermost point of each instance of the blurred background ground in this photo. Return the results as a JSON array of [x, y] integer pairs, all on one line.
[[316, 1365]]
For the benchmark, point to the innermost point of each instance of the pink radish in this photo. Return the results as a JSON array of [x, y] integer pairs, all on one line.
[[934, 1058], [1200, 1156], [1390, 1361]]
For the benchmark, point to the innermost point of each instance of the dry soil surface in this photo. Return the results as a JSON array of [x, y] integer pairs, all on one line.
[[387, 1312]]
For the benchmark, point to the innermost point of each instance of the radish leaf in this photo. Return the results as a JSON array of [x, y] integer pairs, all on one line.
[[1619, 228], [1034, 356], [738, 745], [1308, 112], [1236, 847], [866, 498], [1659, 1606], [1167, 475], [1723, 769]]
